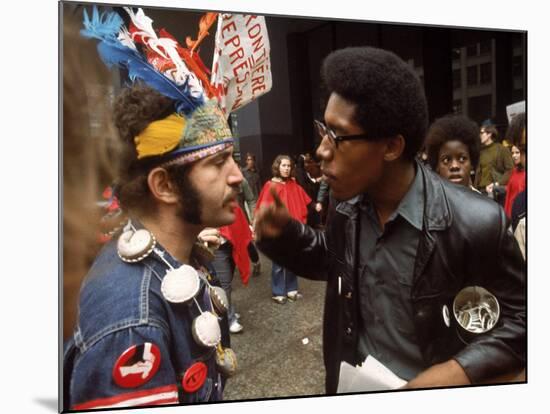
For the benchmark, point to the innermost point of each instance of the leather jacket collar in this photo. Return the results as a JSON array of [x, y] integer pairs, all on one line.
[[437, 213]]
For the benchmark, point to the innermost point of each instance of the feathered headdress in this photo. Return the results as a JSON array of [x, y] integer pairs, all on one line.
[[198, 128]]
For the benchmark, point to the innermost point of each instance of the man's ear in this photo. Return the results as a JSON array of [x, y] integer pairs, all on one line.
[[394, 148], [161, 186]]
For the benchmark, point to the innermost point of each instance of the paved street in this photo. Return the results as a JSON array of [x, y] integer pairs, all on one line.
[[279, 351]]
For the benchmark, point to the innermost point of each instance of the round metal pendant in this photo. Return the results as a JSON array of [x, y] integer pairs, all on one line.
[[219, 300], [181, 284], [476, 309], [206, 330], [203, 252], [226, 361], [134, 246]]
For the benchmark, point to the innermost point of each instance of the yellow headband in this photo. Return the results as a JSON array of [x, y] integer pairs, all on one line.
[[206, 126], [160, 136]]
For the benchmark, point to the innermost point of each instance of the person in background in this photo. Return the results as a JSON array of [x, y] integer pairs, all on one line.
[[495, 163], [252, 174], [284, 283], [236, 250], [517, 182], [517, 135], [309, 177], [247, 201], [452, 148], [90, 159], [233, 252]]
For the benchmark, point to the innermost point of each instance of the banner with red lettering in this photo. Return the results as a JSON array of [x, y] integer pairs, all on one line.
[[241, 68]]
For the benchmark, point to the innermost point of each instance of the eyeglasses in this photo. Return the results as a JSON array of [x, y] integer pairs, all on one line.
[[334, 139]]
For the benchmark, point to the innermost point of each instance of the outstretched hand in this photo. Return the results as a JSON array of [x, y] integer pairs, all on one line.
[[271, 219]]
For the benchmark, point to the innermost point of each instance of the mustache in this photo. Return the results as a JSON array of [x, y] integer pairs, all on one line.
[[231, 197]]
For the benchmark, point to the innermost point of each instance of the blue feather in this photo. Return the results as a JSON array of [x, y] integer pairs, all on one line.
[[101, 26], [106, 27]]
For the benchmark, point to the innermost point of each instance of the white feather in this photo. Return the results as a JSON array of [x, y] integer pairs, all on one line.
[[125, 38], [167, 48]]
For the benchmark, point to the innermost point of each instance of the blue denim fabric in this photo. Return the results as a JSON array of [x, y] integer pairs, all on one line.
[[121, 305], [282, 280]]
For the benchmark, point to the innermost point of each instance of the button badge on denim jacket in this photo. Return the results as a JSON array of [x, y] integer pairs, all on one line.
[[137, 365]]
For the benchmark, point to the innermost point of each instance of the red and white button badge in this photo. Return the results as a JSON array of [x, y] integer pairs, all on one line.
[[137, 365], [194, 377]]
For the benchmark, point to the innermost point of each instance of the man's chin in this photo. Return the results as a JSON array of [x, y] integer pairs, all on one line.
[[340, 196], [224, 219]]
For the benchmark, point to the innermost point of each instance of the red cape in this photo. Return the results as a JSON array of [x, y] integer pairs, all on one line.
[[291, 194], [239, 234], [516, 184]]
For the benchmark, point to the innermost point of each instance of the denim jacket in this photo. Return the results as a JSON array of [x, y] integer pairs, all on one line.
[[121, 305]]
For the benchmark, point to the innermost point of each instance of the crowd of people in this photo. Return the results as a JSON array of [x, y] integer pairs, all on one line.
[[421, 271]]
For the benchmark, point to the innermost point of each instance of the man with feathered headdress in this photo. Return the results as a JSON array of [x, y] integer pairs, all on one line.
[[148, 331]]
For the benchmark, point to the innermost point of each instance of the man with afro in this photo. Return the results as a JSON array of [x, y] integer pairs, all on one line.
[[400, 244]]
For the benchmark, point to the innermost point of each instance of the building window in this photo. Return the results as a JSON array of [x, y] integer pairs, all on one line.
[[471, 75], [517, 66], [456, 53], [471, 50], [479, 108], [485, 47], [457, 106], [518, 95], [485, 73], [517, 41], [456, 79]]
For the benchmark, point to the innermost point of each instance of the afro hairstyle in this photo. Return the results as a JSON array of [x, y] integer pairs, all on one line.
[[388, 95], [452, 128]]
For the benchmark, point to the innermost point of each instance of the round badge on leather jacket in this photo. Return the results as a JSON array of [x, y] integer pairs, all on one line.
[[134, 246], [181, 284], [137, 365], [446, 316], [206, 330], [476, 309]]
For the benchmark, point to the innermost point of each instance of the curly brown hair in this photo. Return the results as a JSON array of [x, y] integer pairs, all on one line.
[[277, 163], [134, 109], [138, 106]]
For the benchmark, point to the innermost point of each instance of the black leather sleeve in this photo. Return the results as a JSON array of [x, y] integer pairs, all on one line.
[[503, 349], [300, 249]]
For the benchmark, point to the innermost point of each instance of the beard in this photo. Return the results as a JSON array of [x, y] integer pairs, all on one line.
[[190, 205]]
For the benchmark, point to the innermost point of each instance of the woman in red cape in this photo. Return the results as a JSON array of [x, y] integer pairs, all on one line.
[[517, 181], [284, 283]]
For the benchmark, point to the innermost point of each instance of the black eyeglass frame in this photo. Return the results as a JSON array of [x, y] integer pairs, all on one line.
[[325, 131]]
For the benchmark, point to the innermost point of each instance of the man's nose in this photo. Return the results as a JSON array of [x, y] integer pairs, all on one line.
[[235, 176], [324, 151]]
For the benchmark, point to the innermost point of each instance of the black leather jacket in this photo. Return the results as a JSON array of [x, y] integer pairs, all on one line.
[[466, 241]]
